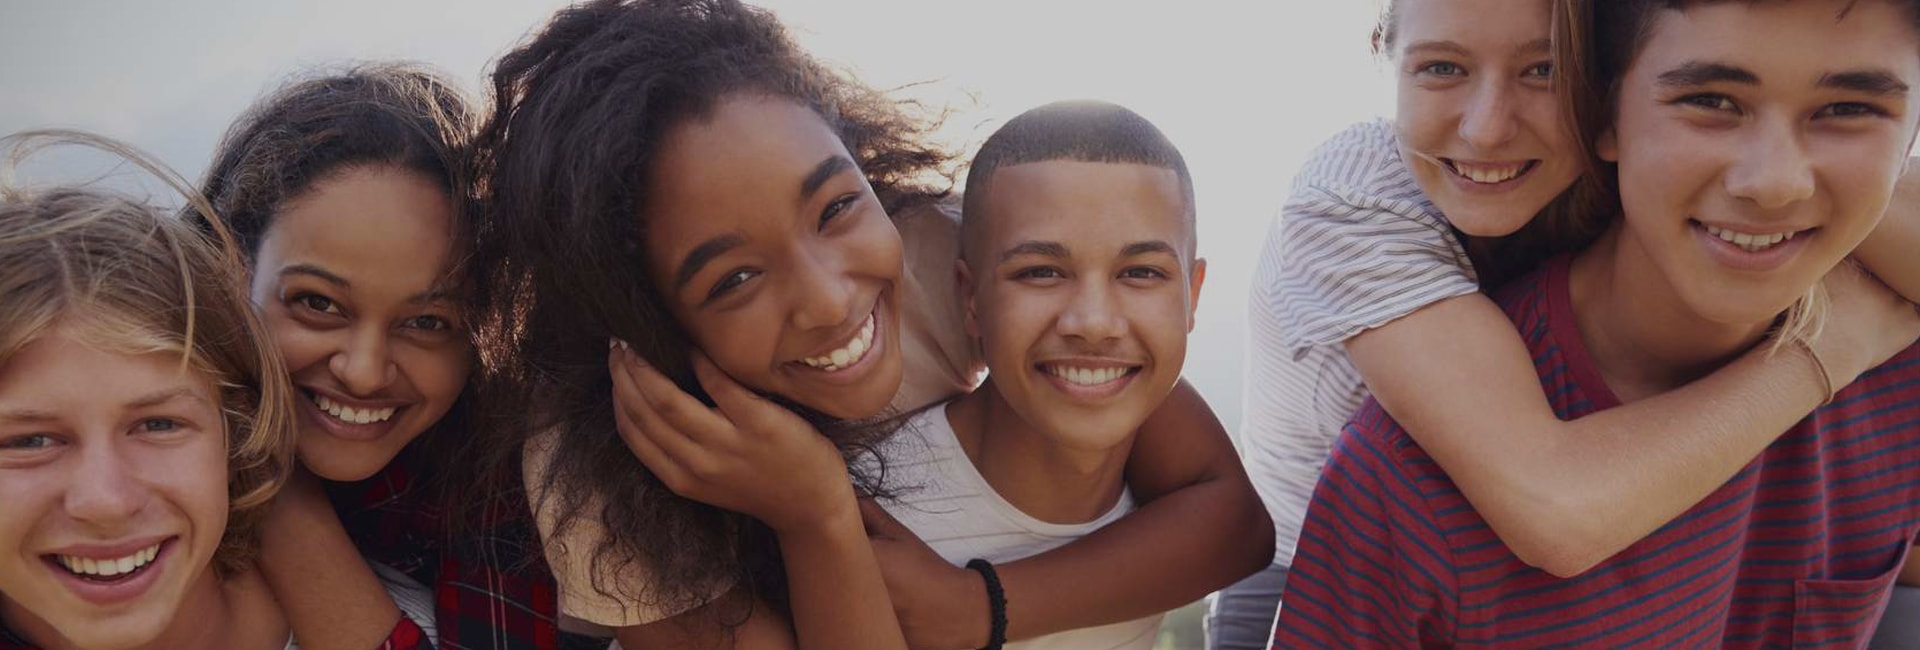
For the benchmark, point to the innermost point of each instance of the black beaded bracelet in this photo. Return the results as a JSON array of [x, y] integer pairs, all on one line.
[[996, 602]]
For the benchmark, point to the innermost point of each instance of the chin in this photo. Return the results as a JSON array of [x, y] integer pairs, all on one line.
[[340, 466]]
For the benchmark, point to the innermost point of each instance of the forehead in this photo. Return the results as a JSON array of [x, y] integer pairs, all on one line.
[[1500, 26], [1093, 203], [59, 374], [1788, 43], [745, 162], [377, 224]]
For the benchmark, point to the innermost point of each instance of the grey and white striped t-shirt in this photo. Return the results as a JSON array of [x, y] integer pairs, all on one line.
[[1356, 245]]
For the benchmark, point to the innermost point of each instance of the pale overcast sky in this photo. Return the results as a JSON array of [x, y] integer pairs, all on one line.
[[1245, 88]]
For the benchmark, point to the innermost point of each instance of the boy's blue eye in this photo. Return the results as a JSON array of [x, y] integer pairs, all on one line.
[[158, 425], [1442, 69], [27, 442]]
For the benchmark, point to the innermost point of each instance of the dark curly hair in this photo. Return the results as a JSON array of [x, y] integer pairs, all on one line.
[[579, 115], [395, 115]]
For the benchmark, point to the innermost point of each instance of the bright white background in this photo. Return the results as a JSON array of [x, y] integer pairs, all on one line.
[[1245, 88]]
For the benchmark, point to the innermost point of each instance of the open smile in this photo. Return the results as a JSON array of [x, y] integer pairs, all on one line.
[[1489, 175], [1750, 251], [851, 358], [111, 576], [1088, 380], [351, 419]]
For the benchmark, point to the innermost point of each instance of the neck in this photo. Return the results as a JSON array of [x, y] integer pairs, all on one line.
[[1045, 480], [1640, 334], [214, 613]]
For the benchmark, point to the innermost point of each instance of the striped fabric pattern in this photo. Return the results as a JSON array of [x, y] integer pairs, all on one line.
[[1356, 246], [1799, 550]]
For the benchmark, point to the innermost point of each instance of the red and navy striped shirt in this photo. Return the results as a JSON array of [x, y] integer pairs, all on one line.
[[1798, 550]]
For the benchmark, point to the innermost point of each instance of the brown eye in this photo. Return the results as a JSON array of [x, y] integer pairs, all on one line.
[[318, 303]]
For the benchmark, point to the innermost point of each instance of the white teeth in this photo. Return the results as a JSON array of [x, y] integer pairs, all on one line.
[[1752, 243], [1488, 174], [852, 353], [352, 415], [1086, 376], [110, 567]]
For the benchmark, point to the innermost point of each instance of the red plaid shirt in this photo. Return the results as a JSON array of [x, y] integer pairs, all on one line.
[[491, 591], [406, 635]]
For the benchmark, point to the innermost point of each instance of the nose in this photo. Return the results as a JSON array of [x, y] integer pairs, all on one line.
[[364, 364], [1092, 314], [1772, 171], [1490, 121], [824, 290], [104, 491]]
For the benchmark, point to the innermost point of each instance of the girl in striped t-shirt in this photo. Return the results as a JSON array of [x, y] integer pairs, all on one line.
[[1372, 280]]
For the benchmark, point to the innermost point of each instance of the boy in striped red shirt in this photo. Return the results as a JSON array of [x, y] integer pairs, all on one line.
[[1757, 144]]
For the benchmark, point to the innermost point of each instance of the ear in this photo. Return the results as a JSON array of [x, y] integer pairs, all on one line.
[[963, 289], [1607, 146], [1195, 278]]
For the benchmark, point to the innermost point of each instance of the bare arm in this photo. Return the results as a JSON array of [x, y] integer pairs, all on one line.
[[1567, 495], [1202, 528], [329, 595], [1889, 250]]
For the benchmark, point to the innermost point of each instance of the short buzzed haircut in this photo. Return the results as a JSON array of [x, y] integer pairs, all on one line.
[[1078, 131]]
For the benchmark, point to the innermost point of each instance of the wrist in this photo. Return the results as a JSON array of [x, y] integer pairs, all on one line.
[[1830, 373], [971, 621]]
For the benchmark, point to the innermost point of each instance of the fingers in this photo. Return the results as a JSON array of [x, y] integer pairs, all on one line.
[[671, 405], [639, 425], [746, 409]]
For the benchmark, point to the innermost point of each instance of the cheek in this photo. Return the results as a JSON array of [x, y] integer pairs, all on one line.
[[299, 346], [440, 374], [743, 342]]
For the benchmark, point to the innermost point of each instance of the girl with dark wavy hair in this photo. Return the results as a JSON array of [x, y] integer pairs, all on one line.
[[766, 244], [350, 193]]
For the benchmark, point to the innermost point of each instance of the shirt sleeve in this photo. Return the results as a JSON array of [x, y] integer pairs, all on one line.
[[1372, 570], [406, 635], [1340, 262], [569, 552]]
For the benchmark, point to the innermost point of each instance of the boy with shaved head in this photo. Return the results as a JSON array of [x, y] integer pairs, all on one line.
[[1079, 277]]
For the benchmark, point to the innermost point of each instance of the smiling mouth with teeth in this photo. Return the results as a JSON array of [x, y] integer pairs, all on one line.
[[1748, 242], [1088, 376], [351, 415], [111, 569], [1485, 174], [847, 355]]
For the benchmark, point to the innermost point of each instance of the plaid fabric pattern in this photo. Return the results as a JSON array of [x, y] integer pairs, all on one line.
[[491, 592]]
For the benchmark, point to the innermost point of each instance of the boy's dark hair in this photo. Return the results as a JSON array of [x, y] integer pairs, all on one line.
[[580, 112], [1080, 131]]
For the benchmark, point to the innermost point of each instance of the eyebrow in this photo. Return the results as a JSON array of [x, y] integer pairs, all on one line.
[[159, 397], [703, 254], [1042, 248], [1701, 73], [825, 170], [149, 400], [1146, 247], [315, 271], [1535, 45], [1873, 82], [1448, 47]]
